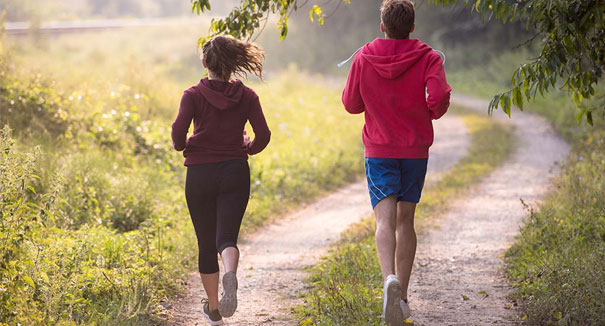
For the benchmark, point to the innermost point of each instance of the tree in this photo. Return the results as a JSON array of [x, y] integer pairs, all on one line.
[[571, 35], [245, 19]]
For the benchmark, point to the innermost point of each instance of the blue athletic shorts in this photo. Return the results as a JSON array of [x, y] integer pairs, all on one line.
[[403, 178]]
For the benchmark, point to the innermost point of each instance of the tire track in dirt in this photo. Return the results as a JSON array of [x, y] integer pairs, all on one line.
[[457, 279], [271, 272]]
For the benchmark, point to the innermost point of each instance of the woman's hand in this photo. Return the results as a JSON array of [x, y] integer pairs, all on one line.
[[246, 140]]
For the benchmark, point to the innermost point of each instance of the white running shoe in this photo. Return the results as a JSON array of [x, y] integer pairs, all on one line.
[[391, 308], [228, 303], [405, 309]]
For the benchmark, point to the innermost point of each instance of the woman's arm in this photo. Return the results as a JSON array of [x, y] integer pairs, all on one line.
[[262, 134], [180, 127]]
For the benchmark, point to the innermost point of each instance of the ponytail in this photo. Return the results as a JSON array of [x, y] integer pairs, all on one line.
[[225, 55]]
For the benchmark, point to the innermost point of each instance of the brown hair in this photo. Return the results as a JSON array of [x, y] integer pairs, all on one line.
[[225, 55], [398, 18]]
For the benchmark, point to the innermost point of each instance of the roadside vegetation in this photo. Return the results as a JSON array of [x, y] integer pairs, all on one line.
[[94, 225], [557, 264], [346, 287]]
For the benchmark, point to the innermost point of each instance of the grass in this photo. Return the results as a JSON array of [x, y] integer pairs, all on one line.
[[346, 287], [556, 266]]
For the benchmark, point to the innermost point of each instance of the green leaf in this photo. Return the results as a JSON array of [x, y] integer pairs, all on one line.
[[518, 98], [29, 281]]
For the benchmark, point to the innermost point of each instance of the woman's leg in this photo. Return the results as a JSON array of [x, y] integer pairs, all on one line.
[[210, 283], [200, 191], [234, 192], [230, 257]]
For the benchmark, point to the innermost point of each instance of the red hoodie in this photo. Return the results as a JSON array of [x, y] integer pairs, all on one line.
[[219, 111], [389, 81]]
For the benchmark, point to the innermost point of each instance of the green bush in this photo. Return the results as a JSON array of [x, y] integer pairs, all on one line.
[[32, 107]]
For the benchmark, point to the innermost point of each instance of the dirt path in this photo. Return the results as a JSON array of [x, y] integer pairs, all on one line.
[[463, 256], [271, 273]]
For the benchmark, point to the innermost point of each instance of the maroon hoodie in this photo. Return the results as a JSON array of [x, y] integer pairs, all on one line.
[[389, 82], [219, 111]]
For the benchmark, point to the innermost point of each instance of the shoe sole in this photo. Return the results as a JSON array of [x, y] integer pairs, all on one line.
[[228, 303], [393, 314], [406, 312]]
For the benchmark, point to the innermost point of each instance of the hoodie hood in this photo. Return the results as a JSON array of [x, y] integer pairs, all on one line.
[[221, 95], [392, 58]]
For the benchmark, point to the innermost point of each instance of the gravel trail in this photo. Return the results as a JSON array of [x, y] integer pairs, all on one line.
[[272, 259], [457, 279]]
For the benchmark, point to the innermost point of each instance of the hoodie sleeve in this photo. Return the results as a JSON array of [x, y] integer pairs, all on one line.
[[262, 134], [180, 127], [351, 96], [438, 90]]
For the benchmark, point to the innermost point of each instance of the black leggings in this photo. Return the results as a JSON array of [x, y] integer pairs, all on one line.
[[217, 195]]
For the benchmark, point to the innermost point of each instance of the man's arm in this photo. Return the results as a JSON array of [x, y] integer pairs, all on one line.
[[438, 90], [351, 96]]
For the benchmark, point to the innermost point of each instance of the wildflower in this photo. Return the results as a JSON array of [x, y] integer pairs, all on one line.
[[126, 114], [113, 112], [257, 182], [580, 178], [137, 96], [581, 158], [100, 129]]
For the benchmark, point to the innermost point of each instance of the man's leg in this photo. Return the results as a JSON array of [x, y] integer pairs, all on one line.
[[386, 223], [406, 244]]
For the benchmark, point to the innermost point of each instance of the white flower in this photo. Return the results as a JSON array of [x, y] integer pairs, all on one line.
[[126, 114]]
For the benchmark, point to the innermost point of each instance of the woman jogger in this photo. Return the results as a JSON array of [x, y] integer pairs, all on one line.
[[218, 177]]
